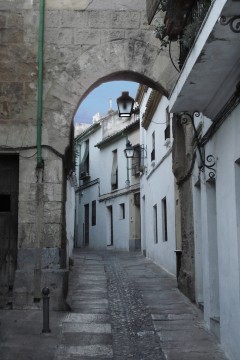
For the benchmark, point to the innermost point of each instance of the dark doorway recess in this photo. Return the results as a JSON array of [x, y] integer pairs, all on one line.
[[9, 180]]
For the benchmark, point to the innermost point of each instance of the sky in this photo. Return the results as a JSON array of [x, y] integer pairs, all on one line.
[[98, 101]]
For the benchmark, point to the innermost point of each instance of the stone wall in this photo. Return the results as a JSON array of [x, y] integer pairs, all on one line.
[[183, 160], [85, 43]]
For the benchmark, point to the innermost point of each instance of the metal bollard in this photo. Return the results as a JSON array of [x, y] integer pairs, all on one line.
[[45, 297]]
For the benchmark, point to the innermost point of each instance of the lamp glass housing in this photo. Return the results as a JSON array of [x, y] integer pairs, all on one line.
[[125, 104], [129, 151]]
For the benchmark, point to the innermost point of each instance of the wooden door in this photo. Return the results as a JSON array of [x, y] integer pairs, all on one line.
[[86, 224]]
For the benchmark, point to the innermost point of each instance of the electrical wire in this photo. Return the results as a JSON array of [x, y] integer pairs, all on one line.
[[159, 123], [170, 55], [19, 148], [27, 157]]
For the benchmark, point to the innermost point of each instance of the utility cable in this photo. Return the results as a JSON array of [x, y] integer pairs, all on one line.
[[170, 55]]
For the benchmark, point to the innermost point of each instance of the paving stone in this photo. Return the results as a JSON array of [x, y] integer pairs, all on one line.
[[86, 339], [87, 328], [167, 325], [193, 355], [122, 307], [64, 352], [87, 318]]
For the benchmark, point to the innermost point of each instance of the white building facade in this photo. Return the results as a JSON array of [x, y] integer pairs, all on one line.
[[108, 201], [209, 83], [157, 181]]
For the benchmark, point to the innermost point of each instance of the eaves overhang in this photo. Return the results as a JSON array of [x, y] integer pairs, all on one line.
[[123, 132], [119, 192], [151, 107], [142, 89], [212, 70]]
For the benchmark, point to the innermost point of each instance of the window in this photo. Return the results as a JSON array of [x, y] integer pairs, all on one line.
[[153, 147], [155, 229], [122, 211], [5, 202], [164, 219], [79, 160], [84, 165], [94, 213], [167, 130], [136, 161], [114, 174]]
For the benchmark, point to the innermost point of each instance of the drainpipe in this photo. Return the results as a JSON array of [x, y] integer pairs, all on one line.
[[127, 182], [40, 85], [39, 190]]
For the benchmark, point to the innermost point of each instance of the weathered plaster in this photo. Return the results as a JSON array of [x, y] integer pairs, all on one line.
[[182, 159]]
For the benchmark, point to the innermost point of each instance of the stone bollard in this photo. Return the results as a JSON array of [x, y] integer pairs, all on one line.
[[45, 297]]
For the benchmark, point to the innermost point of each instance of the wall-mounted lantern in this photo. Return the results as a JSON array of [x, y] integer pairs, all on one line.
[[129, 151], [125, 105], [138, 151]]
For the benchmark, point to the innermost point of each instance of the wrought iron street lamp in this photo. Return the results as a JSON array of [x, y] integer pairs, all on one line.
[[125, 105], [129, 151], [137, 151]]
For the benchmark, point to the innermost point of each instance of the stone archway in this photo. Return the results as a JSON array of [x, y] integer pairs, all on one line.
[[85, 44]]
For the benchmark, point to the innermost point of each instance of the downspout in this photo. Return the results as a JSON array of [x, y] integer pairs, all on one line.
[[127, 182], [40, 85], [39, 173]]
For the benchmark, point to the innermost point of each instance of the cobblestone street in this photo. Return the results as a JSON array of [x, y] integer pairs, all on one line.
[[122, 307], [125, 307]]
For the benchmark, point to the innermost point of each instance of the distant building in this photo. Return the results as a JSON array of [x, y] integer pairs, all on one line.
[[79, 128], [107, 198]]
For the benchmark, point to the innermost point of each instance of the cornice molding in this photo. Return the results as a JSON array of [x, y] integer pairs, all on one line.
[[127, 130], [140, 93], [151, 107]]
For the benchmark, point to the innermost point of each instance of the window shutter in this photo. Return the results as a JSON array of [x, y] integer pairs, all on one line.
[[85, 152], [114, 169]]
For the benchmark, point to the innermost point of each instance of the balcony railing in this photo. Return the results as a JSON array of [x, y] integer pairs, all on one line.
[[182, 22], [192, 25]]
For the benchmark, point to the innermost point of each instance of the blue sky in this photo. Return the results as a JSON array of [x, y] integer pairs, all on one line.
[[98, 99]]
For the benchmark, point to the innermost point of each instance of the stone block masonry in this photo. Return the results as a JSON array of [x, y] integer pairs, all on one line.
[[85, 43]]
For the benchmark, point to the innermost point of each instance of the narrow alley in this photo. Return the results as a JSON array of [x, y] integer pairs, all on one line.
[[121, 306]]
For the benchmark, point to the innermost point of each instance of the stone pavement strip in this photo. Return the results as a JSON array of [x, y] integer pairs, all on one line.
[[122, 307]]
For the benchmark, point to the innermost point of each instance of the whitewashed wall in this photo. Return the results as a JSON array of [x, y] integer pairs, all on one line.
[[218, 231], [120, 226], [89, 194], [106, 160], [157, 183]]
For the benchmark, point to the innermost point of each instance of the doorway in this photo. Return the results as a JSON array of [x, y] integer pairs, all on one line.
[[86, 225], [110, 227], [9, 179]]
